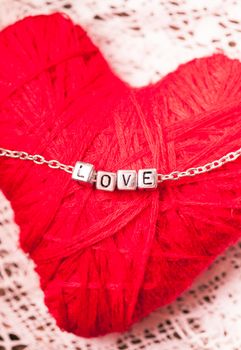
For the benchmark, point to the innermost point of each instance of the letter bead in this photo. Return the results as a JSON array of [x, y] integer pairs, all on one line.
[[126, 179], [147, 178], [83, 172], [105, 181]]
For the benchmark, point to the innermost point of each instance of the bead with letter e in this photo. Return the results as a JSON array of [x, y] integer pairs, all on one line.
[[147, 178]]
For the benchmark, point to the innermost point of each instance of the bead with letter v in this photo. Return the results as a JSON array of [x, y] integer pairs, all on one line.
[[126, 179]]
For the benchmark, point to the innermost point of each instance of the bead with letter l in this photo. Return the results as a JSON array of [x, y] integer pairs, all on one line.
[[83, 172], [147, 178]]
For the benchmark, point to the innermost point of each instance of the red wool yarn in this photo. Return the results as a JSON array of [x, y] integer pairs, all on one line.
[[107, 259]]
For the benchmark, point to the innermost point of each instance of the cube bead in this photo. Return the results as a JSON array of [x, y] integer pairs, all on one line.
[[105, 181], [126, 179], [83, 172], [147, 178]]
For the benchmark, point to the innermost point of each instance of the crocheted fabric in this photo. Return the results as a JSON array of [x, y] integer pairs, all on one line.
[[142, 40]]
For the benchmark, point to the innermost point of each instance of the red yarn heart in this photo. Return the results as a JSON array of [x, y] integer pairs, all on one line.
[[107, 259]]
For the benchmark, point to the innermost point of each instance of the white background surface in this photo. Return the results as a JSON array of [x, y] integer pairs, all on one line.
[[142, 40]]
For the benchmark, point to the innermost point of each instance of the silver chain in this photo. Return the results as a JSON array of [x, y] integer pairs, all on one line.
[[174, 175], [36, 158]]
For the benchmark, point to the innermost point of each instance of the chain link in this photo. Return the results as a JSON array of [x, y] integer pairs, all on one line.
[[36, 158], [174, 175]]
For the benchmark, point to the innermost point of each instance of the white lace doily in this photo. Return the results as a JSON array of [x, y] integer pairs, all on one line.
[[142, 40]]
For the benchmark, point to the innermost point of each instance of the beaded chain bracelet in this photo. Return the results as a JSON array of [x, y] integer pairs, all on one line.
[[123, 179]]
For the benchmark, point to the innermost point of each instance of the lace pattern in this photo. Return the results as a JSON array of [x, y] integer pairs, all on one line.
[[142, 40]]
